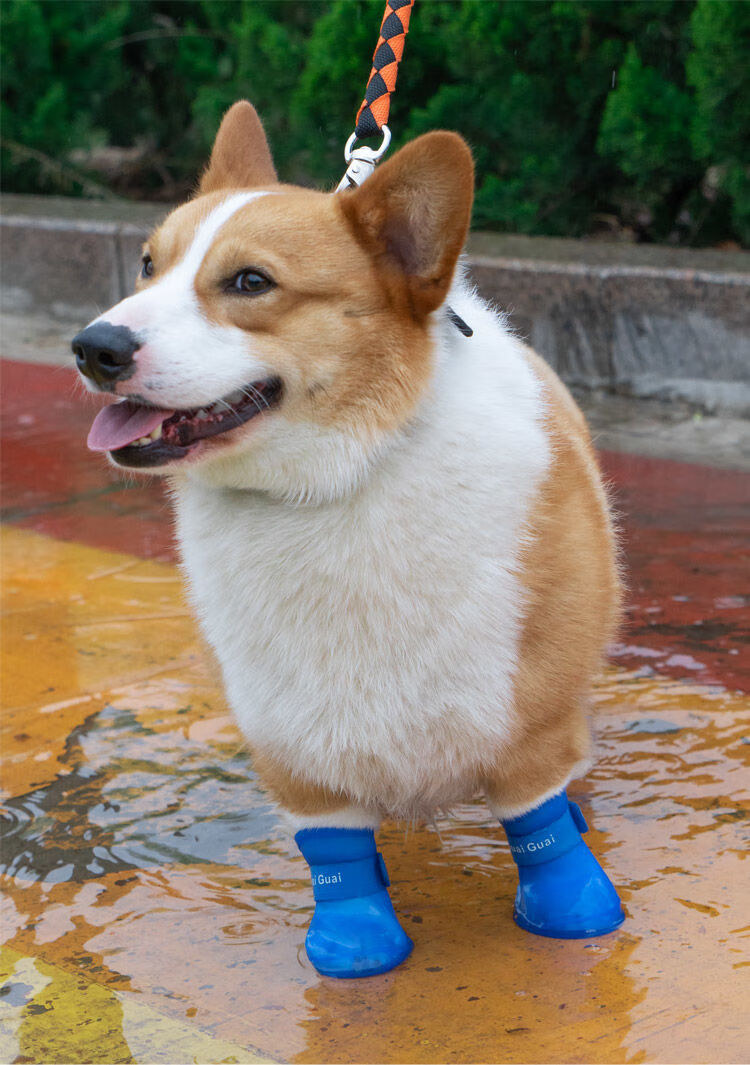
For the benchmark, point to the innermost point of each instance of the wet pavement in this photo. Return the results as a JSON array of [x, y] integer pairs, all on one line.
[[155, 911]]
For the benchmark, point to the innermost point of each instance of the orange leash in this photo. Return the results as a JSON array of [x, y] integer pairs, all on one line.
[[373, 114]]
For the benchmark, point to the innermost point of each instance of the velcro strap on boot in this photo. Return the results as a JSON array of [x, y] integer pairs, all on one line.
[[552, 841], [349, 880]]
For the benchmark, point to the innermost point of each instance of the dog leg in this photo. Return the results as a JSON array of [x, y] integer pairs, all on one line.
[[354, 930], [563, 892]]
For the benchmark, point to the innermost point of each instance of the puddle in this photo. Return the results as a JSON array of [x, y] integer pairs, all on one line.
[[132, 798]]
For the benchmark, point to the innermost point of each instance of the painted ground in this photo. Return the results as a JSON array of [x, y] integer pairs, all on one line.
[[154, 911]]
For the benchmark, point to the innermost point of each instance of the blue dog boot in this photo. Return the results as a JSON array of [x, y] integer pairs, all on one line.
[[563, 892], [354, 930]]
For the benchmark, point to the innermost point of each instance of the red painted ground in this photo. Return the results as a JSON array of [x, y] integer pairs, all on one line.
[[686, 528], [54, 484], [686, 535]]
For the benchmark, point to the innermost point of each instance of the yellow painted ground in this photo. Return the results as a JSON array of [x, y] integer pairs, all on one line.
[[154, 911]]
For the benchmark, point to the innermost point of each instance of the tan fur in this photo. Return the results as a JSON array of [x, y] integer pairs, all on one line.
[[171, 240], [241, 156], [298, 796], [572, 584]]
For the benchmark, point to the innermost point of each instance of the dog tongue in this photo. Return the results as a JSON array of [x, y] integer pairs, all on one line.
[[122, 423]]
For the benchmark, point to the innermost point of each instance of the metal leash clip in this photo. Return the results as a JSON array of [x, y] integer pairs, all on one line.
[[362, 160]]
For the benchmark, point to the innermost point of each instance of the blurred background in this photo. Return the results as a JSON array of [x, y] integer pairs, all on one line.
[[624, 120]]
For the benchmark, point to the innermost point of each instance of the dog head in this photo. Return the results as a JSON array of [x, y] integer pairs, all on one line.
[[273, 326]]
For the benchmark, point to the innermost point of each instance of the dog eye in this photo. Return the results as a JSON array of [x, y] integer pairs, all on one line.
[[251, 283], [147, 266]]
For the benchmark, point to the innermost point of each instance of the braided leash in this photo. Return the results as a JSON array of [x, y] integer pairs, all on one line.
[[375, 108], [373, 113]]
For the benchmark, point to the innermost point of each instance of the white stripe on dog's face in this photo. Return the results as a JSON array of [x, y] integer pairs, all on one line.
[[186, 361], [185, 272]]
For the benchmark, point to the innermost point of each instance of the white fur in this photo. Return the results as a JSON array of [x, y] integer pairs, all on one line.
[[186, 360], [369, 636], [505, 813], [347, 817]]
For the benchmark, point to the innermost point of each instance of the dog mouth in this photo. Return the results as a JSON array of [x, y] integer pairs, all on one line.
[[137, 434]]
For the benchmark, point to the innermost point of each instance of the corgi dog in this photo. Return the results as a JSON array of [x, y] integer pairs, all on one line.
[[395, 532]]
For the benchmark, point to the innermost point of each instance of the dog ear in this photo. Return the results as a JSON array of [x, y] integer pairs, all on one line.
[[413, 214], [240, 157]]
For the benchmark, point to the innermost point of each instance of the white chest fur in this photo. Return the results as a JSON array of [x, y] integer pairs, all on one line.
[[370, 643]]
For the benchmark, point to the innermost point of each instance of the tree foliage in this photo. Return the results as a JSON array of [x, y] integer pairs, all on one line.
[[628, 113], [717, 71]]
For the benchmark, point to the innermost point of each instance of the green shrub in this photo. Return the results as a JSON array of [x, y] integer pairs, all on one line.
[[645, 130], [717, 69], [526, 84], [60, 83], [576, 112]]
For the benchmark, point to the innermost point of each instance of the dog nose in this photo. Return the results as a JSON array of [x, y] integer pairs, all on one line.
[[104, 353]]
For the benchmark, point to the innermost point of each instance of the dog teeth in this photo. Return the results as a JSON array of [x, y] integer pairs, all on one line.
[[235, 397], [144, 441], [202, 414]]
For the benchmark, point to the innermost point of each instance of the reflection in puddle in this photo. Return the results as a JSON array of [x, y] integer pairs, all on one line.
[[133, 798]]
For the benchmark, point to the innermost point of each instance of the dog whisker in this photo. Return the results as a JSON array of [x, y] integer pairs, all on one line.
[[260, 401]]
